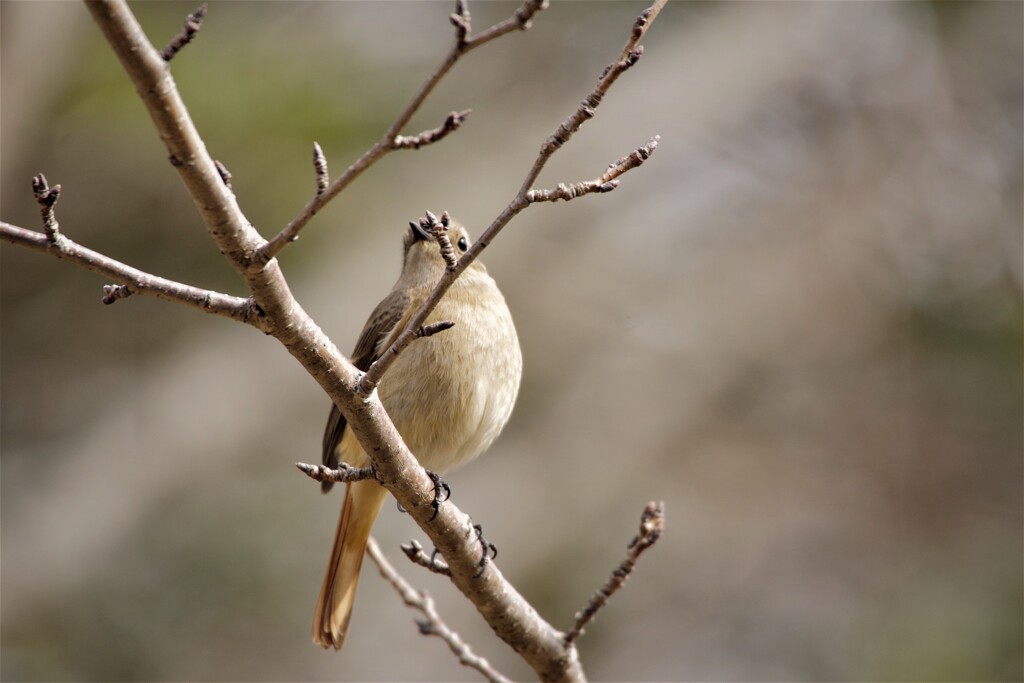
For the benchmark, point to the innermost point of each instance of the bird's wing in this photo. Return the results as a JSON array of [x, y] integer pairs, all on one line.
[[380, 326]]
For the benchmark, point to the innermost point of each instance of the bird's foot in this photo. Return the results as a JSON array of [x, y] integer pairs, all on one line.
[[440, 486], [487, 550]]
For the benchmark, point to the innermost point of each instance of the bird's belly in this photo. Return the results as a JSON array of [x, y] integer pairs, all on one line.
[[451, 394]]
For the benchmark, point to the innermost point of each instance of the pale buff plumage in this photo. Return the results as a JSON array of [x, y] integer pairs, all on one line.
[[449, 395]]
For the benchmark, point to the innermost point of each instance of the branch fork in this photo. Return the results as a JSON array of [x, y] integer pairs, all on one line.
[[451, 123], [605, 183], [392, 139]]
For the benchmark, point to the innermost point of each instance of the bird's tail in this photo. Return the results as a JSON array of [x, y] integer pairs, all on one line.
[[363, 501]]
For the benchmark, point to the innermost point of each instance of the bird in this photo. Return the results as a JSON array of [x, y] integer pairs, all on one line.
[[449, 395]]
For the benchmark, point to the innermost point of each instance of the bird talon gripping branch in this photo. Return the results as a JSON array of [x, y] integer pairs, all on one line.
[[440, 485], [488, 551]]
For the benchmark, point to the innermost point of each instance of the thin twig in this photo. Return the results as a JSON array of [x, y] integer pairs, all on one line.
[[519, 21], [135, 280], [631, 161], [452, 122], [431, 624], [344, 474], [651, 523], [391, 139], [640, 26], [193, 23], [434, 328], [605, 183], [631, 53], [434, 562], [461, 21], [565, 130]]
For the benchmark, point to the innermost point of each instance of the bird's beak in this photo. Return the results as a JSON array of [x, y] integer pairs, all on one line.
[[418, 233]]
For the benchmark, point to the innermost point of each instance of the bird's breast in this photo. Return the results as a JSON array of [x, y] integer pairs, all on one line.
[[451, 394]]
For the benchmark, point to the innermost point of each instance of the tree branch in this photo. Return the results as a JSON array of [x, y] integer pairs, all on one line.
[[605, 183], [133, 280], [630, 54], [452, 123], [230, 229], [651, 523], [519, 21], [414, 551], [392, 140], [432, 624], [511, 617], [344, 474], [193, 23]]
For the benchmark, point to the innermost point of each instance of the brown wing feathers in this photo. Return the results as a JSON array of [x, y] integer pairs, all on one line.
[[380, 325]]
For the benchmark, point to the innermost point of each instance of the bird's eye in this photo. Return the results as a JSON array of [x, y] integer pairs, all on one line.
[[463, 244]]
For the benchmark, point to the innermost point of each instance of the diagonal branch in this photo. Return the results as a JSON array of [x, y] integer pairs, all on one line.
[[519, 21], [432, 624], [392, 140], [193, 23], [651, 523], [452, 123], [630, 54], [133, 280], [605, 183]]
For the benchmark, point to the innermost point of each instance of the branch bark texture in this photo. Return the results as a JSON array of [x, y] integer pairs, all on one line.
[[136, 281]]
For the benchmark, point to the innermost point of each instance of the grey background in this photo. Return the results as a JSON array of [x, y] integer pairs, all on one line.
[[799, 325]]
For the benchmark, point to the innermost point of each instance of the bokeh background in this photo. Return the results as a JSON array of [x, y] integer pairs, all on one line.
[[799, 325]]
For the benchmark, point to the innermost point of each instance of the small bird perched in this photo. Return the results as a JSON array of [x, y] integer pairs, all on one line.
[[449, 395]]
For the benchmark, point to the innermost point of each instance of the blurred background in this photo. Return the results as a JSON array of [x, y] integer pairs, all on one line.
[[799, 325]]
